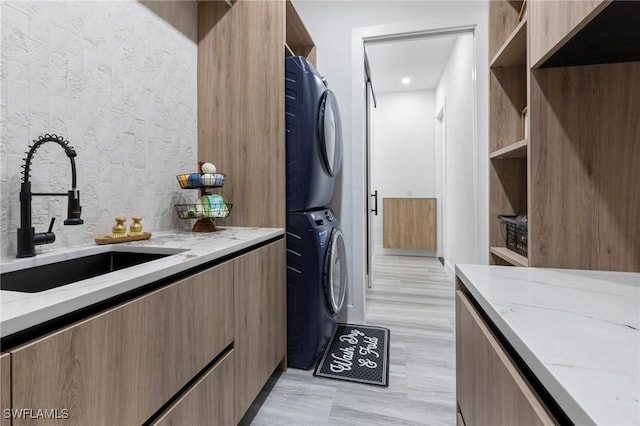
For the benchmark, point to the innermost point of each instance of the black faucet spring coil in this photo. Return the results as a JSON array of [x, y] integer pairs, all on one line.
[[37, 143]]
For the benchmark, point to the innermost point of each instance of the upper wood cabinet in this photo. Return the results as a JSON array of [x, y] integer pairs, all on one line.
[[241, 105], [573, 170], [121, 366]]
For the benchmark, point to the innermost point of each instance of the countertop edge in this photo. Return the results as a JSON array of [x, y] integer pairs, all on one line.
[[567, 403], [36, 317]]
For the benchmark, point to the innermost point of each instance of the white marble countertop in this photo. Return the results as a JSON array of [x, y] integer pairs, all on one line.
[[19, 311], [578, 332]]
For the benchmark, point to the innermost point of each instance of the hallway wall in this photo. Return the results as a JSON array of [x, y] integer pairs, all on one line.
[[459, 208], [403, 148]]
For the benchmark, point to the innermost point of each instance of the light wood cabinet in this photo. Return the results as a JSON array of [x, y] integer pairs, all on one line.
[[574, 171], [5, 388], [490, 388], [121, 366], [208, 402], [409, 223], [241, 105], [260, 317]]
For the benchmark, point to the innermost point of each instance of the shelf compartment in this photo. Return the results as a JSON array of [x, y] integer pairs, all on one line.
[[509, 256], [288, 51], [515, 150], [514, 50], [297, 38], [611, 36]]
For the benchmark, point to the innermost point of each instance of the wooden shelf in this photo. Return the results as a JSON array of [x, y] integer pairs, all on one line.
[[515, 150], [288, 51], [514, 50], [611, 36], [509, 256], [297, 38]]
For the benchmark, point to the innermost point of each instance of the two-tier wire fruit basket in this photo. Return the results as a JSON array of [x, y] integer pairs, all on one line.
[[208, 207]]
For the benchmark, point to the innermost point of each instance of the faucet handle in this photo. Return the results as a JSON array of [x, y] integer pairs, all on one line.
[[45, 237]]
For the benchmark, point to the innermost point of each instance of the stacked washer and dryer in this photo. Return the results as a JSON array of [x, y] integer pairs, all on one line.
[[316, 263]]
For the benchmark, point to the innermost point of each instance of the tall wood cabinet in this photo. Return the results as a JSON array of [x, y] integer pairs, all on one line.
[[241, 105], [574, 169], [241, 101]]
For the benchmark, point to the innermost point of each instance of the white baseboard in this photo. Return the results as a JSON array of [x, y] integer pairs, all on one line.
[[379, 250], [449, 270]]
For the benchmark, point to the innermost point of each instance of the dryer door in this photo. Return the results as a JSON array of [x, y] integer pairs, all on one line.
[[330, 132], [335, 272]]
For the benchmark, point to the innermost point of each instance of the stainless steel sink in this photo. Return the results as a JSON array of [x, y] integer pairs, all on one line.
[[46, 276]]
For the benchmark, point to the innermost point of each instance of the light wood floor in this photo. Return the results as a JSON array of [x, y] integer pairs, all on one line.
[[414, 298]]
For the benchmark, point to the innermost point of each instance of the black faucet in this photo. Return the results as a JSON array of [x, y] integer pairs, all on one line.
[[27, 237]]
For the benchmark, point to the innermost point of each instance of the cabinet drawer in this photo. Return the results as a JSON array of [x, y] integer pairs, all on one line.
[[261, 320], [208, 402], [490, 389], [121, 366]]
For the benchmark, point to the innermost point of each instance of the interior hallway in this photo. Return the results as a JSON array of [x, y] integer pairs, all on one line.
[[414, 298]]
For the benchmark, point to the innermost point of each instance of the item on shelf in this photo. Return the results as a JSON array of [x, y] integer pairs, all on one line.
[[516, 233], [199, 211], [197, 180], [524, 123], [523, 9], [136, 226], [108, 239], [208, 168], [208, 207], [119, 230]]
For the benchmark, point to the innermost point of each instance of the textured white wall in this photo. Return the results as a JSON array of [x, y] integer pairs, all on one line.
[[119, 83], [403, 156]]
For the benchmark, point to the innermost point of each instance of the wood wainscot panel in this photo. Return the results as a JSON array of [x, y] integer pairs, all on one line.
[[409, 223]]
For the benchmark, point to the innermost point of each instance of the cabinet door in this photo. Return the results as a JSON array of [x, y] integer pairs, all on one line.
[[121, 366], [208, 402], [261, 325], [490, 389], [5, 388]]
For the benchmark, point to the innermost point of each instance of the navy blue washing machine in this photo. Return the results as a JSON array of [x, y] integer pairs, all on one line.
[[313, 137], [316, 283]]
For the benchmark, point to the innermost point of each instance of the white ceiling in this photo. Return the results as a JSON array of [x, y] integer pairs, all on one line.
[[421, 59]]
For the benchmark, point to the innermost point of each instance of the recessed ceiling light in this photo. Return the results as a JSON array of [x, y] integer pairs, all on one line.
[[406, 80]]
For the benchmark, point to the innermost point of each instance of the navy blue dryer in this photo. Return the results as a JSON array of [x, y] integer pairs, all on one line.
[[314, 137], [316, 283]]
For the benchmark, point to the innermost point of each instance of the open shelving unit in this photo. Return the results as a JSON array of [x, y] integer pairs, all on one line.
[[508, 143], [298, 42], [574, 66]]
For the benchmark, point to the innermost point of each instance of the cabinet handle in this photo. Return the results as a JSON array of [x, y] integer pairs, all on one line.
[[375, 203]]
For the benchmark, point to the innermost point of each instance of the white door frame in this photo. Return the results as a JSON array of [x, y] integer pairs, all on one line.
[[441, 202], [354, 311]]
